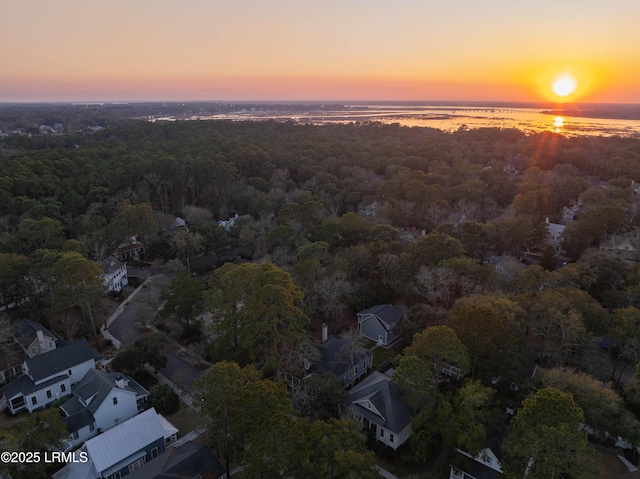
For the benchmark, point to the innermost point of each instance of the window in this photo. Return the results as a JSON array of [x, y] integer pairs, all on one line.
[[50, 344], [117, 475], [115, 400], [381, 432], [34, 400], [364, 364], [74, 435], [34, 350], [48, 393], [154, 452], [63, 388], [356, 371], [70, 372], [92, 427], [390, 437], [136, 465]]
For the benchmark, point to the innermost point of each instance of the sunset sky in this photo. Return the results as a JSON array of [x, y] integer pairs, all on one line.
[[493, 50]]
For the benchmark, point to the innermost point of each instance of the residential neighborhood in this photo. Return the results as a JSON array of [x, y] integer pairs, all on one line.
[[401, 303]]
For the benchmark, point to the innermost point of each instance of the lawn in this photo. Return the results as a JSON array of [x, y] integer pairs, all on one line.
[[185, 419], [380, 355]]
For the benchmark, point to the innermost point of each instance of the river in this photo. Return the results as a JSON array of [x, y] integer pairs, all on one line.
[[446, 118]]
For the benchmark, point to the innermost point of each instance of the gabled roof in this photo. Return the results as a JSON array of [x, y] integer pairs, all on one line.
[[385, 396], [79, 420], [333, 360], [26, 332], [125, 439], [189, 460], [387, 313], [111, 265], [24, 385], [96, 385], [60, 359]]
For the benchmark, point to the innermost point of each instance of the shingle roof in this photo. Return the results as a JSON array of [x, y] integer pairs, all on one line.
[[97, 385], [26, 332], [79, 420], [60, 359], [111, 265], [386, 397], [386, 312], [189, 460], [333, 360], [125, 439], [25, 386]]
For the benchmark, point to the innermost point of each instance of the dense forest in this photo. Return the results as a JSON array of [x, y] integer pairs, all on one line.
[[337, 218]]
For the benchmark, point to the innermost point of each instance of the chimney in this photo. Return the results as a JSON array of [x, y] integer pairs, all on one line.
[[325, 332], [40, 337], [121, 382]]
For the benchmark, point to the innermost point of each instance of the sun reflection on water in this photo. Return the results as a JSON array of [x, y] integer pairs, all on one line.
[[558, 122]]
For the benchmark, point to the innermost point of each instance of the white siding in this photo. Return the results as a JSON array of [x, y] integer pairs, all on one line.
[[41, 395], [109, 415]]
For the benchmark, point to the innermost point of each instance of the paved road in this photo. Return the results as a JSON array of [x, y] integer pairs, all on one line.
[[122, 327], [122, 330]]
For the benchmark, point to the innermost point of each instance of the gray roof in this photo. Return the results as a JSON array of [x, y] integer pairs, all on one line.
[[386, 397], [60, 359], [333, 360], [388, 313], [24, 385], [98, 384], [79, 420], [189, 460], [26, 332], [111, 265], [125, 439]]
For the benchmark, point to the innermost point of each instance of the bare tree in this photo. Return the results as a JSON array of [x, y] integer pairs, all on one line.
[[7, 349], [437, 285], [68, 322]]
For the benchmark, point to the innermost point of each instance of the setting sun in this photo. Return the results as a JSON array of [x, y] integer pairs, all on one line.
[[564, 85]]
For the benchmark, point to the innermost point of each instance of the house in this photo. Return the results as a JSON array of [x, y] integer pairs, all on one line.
[[48, 377], [508, 266], [31, 339], [132, 249], [554, 234], [115, 274], [377, 323], [34, 338], [346, 361], [376, 403], [99, 402], [188, 460], [229, 224], [122, 449], [484, 465]]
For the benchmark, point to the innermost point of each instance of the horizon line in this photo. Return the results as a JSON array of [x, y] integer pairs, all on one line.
[[312, 102]]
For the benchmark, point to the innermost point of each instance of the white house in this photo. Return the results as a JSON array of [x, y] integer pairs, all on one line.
[[101, 401], [48, 377], [484, 465], [31, 340], [132, 249], [377, 404], [115, 274]]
